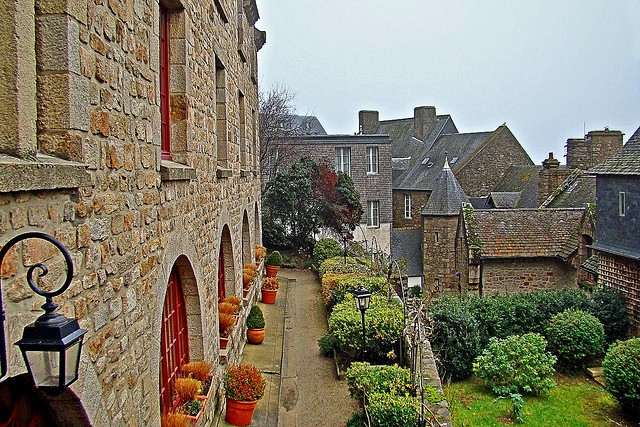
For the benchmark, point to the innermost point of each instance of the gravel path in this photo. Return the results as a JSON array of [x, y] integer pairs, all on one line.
[[311, 394]]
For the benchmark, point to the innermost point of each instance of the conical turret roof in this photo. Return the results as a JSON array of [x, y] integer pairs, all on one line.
[[447, 196]]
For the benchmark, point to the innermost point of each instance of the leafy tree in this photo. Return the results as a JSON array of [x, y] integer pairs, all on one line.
[[305, 198]]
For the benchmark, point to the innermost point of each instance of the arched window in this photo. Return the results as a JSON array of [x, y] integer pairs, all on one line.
[[174, 347]]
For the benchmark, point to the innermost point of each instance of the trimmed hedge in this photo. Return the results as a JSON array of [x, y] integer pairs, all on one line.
[[384, 325], [363, 378], [608, 306], [336, 265], [326, 248], [335, 287]]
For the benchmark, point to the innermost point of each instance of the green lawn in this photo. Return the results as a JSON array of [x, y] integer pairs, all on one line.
[[574, 402]]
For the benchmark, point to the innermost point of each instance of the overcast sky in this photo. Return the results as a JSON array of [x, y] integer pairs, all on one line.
[[547, 68]]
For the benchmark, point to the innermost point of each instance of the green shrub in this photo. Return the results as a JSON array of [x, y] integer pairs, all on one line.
[[455, 337], [517, 364], [337, 265], [384, 325], [255, 318], [327, 343], [326, 248], [274, 258], [576, 337], [621, 367], [608, 306], [388, 410], [346, 284], [362, 377]]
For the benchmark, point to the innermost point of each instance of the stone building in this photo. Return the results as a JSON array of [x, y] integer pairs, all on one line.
[[365, 158], [617, 238], [129, 132], [501, 251]]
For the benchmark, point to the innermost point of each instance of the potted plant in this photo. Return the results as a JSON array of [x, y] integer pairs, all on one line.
[[270, 286], [187, 391], [173, 419], [255, 326], [226, 322], [201, 371], [261, 251], [273, 263], [249, 272], [244, 386]]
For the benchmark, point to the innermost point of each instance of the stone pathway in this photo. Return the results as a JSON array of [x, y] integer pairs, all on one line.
[[311, 394]]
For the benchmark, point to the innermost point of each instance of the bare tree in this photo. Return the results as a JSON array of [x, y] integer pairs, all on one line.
[[278, 121]]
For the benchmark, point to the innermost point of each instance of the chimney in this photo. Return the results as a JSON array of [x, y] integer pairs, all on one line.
[[602, 145], [424, 118], [369, 122], [550, 177]]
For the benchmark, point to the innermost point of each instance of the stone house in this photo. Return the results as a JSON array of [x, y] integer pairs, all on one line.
[[365, 158], [128, 131], [500, 251], [617, 237]]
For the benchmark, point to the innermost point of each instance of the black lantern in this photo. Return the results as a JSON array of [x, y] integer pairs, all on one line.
[[51, 345], [362, 298]]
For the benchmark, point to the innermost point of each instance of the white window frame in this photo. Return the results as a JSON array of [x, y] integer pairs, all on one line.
[[373, 213], [407, 206], [622, 203], [372, 160], [343, 160]]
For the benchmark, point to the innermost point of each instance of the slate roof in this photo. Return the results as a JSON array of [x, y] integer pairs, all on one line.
[[424, 171], [523, 179], [503, 199], [525, 233], [401, 133], [575, 192], [592, 264], [407, 244], [447, 197], [626, 162], [309, 125]]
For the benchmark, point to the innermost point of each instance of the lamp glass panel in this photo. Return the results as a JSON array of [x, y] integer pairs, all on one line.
[[45, 367], [71, 362]]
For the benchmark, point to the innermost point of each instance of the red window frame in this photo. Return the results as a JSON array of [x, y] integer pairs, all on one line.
[[174, 347], [222, 293], [165, 117]]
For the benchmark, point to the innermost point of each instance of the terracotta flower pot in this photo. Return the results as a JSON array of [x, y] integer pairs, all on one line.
[[255, 336], [271, 270], [239, 413], [269, 296]]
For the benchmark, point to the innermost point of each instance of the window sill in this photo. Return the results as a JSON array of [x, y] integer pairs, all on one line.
[[42, 173], [245, 172], [172, 171], [223, 172], [372, 173]]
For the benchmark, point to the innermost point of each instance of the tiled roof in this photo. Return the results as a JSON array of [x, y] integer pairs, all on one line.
[[524, 233], [447, 197], [575, 192], [626, 162], [592, 264], [407, 244], [401, 133]]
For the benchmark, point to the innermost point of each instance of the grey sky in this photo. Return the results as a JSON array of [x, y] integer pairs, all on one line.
[[546, 67]]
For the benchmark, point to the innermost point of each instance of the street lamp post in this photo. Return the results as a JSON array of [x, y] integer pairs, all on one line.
[[362, 298], [51, 345]]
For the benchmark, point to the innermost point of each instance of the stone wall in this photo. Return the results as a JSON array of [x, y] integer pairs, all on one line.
[[418, 201], [438, 246], [127, 217], [594, 148], [482, 172], [525, 275]]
